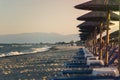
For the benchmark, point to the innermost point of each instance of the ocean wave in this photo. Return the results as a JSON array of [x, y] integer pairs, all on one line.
[[33, 50], [12, 54], [2, 55]]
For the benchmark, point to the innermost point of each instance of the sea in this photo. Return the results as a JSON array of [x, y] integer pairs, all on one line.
[[32, 61], [20, 49]]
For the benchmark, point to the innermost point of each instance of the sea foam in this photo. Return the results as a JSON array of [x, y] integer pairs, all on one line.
[[35, 50]]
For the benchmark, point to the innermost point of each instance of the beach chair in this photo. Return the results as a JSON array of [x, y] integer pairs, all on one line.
[[112, 52], [105, 73], [88, 78], [105, 52], [87, 71], [113, 59], [77, 66]]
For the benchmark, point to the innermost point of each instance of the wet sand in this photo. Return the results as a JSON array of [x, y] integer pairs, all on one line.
[[37, 66]]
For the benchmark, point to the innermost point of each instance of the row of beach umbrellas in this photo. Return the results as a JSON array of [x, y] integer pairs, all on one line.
[[98, 21]]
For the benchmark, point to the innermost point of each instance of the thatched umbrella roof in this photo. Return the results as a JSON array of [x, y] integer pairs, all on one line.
[[84, 37], [113, 34], [90, 24], [87, 27], [84, 30], [99, 5], [86, 34], [98, 16]]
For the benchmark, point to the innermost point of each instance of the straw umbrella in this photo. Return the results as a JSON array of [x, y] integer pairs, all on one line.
[[99, 5], [114, 37], [98, 16], [114, 34]]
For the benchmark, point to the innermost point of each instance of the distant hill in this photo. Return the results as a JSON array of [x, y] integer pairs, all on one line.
[[37, 38]]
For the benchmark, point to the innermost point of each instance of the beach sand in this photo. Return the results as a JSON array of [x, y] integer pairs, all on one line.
[[37, 66]]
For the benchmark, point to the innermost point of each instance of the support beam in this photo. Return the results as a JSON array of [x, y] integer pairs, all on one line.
[[101, 45], [107, 37], [93, 51], [95, 41], [119, 40], [107, 33]]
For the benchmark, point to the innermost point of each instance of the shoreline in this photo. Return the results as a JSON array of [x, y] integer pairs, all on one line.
[[60, 47]]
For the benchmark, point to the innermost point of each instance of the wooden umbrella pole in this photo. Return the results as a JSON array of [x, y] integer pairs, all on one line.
[[107, 38], [107, 34], [95, 41], [101, 45], [119, 41], [93, 46], [91, 43]]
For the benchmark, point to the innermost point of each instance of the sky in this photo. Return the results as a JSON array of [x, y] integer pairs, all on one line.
[[48, 16]]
